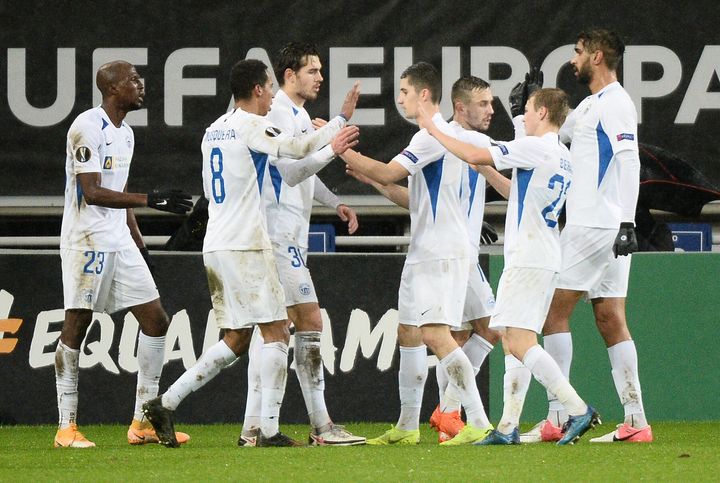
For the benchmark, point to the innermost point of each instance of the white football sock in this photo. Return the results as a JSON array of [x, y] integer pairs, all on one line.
[[547, 373], [273, 374], [516, 382], [477, 349], [150, 357], [411, 381], [253, 403], [560, 348], [217, 357], [311, 375], [461, 376], [67, 363], [624, 363]]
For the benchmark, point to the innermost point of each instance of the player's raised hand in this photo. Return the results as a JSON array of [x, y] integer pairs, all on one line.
[[349, 216], [173, 201], [522, 91], [423, 118], [345, 139], [318, 122], [348, 107]]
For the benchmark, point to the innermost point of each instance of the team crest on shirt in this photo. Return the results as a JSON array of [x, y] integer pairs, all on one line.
[[108, 163], [82, 154], [625, 136], [304, 289], [272, 132]]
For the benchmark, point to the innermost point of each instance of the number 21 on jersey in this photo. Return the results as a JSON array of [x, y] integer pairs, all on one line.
[[552, 211]]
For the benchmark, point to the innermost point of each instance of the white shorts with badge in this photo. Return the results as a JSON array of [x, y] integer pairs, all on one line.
[[588, 263], [244, 288], [106, 281], [523, 298], [433, 292], [479, 299], [294, 274]]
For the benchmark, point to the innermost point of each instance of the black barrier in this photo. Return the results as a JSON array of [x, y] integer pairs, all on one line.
[[357, 292], [46, 80]]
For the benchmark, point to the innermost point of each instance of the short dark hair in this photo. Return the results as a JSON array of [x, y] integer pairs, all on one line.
[[555, 101], [606, 41], [245, 75], [463, 87], [424, 76], [293, 56]]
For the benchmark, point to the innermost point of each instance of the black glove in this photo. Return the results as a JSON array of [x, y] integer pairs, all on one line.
[[174, 201], [625, 241], [488, 235], [522, 91], [146, 256]]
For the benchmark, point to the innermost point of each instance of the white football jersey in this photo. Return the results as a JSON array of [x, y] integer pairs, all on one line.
[[288, 207], [541, 176], [472, 188], [235, 152], [95, 145], [438, 225], [601, 126]]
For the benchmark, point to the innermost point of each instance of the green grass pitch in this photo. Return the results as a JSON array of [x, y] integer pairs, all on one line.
[[682, 452]]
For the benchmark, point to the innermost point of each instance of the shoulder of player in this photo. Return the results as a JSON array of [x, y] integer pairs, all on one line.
[[474, 137]]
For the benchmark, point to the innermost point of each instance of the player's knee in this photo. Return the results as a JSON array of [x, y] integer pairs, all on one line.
[[238, 340], [277, 331], [409, 336]]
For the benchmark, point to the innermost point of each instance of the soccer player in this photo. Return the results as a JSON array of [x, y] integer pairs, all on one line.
[[435, 276], [542, 174], [472, 112], [599, 235], [288, 198], [240, 267], [102, 249]]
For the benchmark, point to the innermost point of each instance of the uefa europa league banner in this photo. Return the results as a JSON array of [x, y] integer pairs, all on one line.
[[49, 55], [358, 297]]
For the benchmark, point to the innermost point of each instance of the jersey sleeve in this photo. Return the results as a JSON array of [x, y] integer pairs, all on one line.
[[475, 138], [619, 121], [263, 136], [525, 153], [85, 138]]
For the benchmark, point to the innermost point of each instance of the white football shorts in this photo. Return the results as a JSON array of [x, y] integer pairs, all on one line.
[[294, 274], [588, 263], [106, 281], [479, 299], [244, 288], [433, 292], [523, 298]]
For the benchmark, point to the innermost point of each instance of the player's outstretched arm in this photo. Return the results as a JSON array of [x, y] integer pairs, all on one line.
[[294, 171], [383, 173], [394, 192], [467, 152], [496, 179], [173, 201]]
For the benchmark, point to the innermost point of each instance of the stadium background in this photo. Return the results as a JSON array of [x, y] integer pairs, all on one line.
[[184, 51]]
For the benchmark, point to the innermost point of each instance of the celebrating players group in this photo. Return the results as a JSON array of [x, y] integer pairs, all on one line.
[[260, 161]]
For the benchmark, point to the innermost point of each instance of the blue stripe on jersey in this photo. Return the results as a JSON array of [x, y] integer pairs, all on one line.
[[523, 180], [105, 124], [433, 174], [473, 177], [260, 160], [79, 193], [276, 181], [295, 111], [605, 152]]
